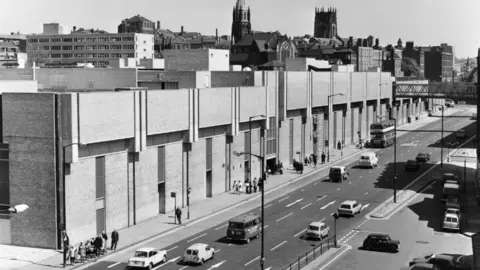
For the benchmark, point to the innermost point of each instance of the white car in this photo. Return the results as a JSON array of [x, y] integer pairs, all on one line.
[[317, 230], [147, 257], [198, 254], [349, 208]]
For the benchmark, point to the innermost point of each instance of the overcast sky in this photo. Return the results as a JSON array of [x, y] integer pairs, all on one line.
[[426, 22]]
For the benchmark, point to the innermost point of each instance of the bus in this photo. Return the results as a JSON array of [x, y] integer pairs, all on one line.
[[382, 133]]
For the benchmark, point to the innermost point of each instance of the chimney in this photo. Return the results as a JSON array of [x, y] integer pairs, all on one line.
[[181, 32], [216, 33], [377, 43], [74, 29], [409, 45], [350, 42], [158, 25]]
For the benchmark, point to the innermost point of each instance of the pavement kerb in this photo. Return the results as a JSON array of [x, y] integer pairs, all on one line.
[[371, 214], [326, 261], [220, 211]]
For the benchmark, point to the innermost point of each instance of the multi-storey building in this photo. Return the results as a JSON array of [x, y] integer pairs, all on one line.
[[417, 54], [95, 48], [137, 24], [10, 56], [439, 62], [17, 39]]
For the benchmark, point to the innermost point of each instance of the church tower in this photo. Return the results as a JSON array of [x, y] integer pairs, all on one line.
[[241, 21], [325, 23]]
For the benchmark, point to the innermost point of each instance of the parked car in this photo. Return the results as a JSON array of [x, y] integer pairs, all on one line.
[[198, 253], [412, 165], [449, 103], [317, 230], [381, 242], [423, 157], [451, 222], [423, 266], [349, 208], [442, 261], [449, 177], [455, 211], [461, 134], [338, 173], [147, 258]]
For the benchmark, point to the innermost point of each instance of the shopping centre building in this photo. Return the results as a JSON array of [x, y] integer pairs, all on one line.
[[87, 160]]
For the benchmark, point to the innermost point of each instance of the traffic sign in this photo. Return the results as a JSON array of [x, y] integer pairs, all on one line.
[[476, 251]]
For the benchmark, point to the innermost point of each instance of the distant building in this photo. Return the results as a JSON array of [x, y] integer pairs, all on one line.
[[88, 46], [17, 39], [417, 54], [53, 29], [11, 57], [439, 62], [392, 60], [325, 23], [240, 21], [136, 24]]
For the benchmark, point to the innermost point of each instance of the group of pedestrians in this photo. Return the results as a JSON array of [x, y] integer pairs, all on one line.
[[313, 159], [92, 248], [250, 186]]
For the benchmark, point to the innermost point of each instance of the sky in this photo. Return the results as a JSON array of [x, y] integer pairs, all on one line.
[[426, 22]]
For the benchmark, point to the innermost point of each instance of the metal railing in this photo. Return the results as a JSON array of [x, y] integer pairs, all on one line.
[[309, 256]]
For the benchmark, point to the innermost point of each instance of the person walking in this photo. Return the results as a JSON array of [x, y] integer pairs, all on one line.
[[235, 187], [339, 145], [323, 157], [114, 240], [240, 187], [105, 240], [66, 246], [314, 160], [178, 214], [98, 245], [254, 185]]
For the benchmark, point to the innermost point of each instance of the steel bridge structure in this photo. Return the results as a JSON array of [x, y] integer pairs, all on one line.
[[423, 89]]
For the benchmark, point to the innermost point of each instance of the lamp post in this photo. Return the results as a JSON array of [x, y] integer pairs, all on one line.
[[465, 175], [329, 120], [394, 158], [441, 142], [250, 142]]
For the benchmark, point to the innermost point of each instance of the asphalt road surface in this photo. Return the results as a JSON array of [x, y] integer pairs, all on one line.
[[286, 218]]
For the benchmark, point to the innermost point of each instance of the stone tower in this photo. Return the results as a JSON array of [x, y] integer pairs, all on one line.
[[325, 23], [241, 21]]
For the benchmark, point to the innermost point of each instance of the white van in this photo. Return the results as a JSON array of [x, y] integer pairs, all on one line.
[[368, 159]]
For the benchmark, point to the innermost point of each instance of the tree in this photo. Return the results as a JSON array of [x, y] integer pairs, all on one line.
[[410, 67]]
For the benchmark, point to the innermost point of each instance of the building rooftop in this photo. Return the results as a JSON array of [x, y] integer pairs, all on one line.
[[14, 36], [138, 18]]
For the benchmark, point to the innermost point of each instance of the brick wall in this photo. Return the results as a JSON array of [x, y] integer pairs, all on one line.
[[174, 181], [283, 150], [236, 163], [146, 184], [197, 170], [116, 191], [218, 161]]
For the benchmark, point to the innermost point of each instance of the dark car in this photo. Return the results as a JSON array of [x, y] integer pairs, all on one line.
[[423, 266], [381, 242], [449, 177], [461, 134], [423, 157], [443, 261], [412, 165]]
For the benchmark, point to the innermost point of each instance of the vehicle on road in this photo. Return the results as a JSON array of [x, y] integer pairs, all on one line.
[[244, 228], [443, 261], [412, 165], [423, 157], [449, 103], [450, 190], [317, 230], [424, 266], [461, 134], [474, 116], [449, 176], [452, 203], [382, 133], [147, 258], [381, 242], [451, 222], [369, 160], [349, 208], [454, 210], [338, 174], [198, 254]]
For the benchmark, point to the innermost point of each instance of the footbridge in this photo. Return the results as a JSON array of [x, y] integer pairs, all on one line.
[[424, 89]]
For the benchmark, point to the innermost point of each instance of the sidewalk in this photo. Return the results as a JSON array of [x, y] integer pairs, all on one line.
[[202, 210]]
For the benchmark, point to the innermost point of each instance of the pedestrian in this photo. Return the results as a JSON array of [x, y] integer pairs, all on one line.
[[306, 160], [71, 254], [98, 243], [323, 157], [114, 240], [105, 240], [254, 185], [178, 214], [240, 187], [248, 187], [260, 184], [235, 186], [82, 251], [339, 145], [66, 244]]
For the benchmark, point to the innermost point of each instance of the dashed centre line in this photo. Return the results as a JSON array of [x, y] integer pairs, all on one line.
[[301, 232], [172, 248], [193, 239], [284, 199], [306, 206], [258, 257], [223, 226], [284, 217], [268, 206], [113, 265], [277, 246]]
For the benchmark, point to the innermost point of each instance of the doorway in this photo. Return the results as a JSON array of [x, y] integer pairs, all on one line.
[[208, 185], [161, 198], [246, 166], [100, 220]]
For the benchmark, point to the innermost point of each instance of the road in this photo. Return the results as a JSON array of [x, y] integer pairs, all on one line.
[[286, 218]]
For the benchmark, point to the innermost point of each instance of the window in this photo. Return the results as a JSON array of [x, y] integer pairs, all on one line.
[[103, 55], [115, 47], [209, 154], [128, 47], [128, 38], [79, 55], [79, 39], [103, 47], [91, 39], [79, 47], [45, 48], [115, 55], [44, 40], [91, 55], [115, 39], [67, 55], [103, 39], [56, 40], [161, 164], [100, 177], [56, 55], [67, 40], [33, 40], [91, 47], [67, 48]]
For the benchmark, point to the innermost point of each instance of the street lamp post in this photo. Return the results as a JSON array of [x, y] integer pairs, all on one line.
[[441, 142], [250, 143], [394, 157], [465, 175], [329, 120]]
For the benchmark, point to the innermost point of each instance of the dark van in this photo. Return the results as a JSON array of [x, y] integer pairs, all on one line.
[[244, 228]]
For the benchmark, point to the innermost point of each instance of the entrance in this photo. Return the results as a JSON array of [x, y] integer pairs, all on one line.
[[161, 198], [208, 185], [271, 163], [246, 166], [100, 220]]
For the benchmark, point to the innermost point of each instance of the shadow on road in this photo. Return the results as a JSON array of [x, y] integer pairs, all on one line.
[[451, 138]]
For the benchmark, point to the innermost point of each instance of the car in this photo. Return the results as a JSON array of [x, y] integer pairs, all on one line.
[[349, 208], [381, 242], [423, 266], [452, 202], [198, 253], [147, 257], [449, 103], [461, 134], [451, 222], [455, 211], [317, 230], [449, 177], [412, 165], [423, 157], [338, 173], [442, 261], [474, 116]]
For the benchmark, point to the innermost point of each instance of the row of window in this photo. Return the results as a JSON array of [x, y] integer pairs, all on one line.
[[82, 39], [93, 55], [86, 47]]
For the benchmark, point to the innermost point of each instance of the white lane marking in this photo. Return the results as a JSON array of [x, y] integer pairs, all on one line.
[[330, 203], [284, 199], [302, 190], [258, 257], [360, 176], [302, 231], [365, 206], [215, 251], [268, 206], [112, 265], [268, 268], [216, 265], [349, 183], [266, 226], [338, 189], [284, 217], [297, 201], [363, 222], [183, 267], [277, 246], [306, 206], [366, 193], [193, 239], [229, 244], [172, 248], [323, 197], [223, 226]]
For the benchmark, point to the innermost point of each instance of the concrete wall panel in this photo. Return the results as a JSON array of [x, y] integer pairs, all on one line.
[[116, 191], [370, 118], [185, 79], [321, 85], [341, 85], [355, 123], [167, 111], [232, 78], [296, 90], [18, 86], [337, 127], [363, 120], [347, 126], [252, 102], [146, 184], [218, 162], [297, 138], [174, 182], [283, 150], [197, 170], [358, 86], [237, 163], [211, 102], [385, 85], [373, 85], [318, 133]]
